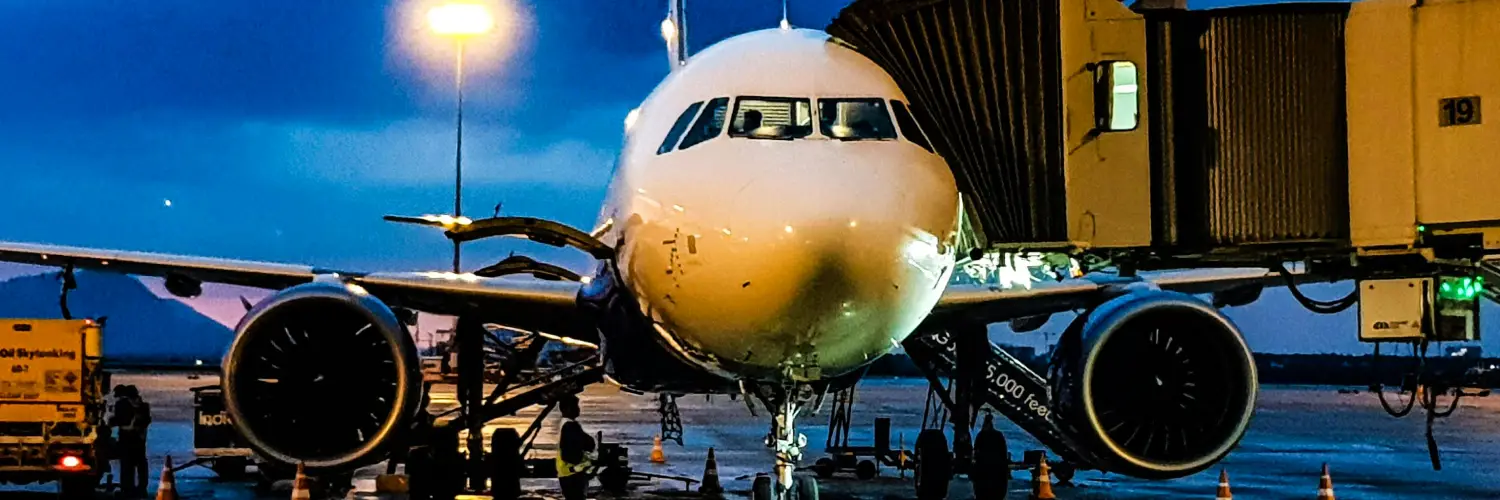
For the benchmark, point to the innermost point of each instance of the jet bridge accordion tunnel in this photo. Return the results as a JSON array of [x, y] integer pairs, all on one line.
[[1239, 138]]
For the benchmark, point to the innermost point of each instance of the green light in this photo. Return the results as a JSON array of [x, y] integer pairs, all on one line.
[[1460, 288], [1421, 229]]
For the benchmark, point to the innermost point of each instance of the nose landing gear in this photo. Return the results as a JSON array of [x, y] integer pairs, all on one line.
[[803, 488], [785, 403]]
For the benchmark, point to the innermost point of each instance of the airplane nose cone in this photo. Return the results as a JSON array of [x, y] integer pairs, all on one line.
[[831, 297], [818, 272]]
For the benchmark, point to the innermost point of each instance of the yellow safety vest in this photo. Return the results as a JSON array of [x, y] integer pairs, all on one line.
[[565, 469]]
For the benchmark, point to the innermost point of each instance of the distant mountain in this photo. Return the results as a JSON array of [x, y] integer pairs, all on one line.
[[142, 328]]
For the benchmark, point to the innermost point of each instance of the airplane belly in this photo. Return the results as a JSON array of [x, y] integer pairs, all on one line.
[[820, 308], [809, 300]]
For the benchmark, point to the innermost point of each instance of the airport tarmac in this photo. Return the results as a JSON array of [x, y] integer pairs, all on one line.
[[1296, 430]]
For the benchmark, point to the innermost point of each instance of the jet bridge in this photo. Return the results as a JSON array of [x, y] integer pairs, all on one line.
[[1175, 137], [1347, 136]]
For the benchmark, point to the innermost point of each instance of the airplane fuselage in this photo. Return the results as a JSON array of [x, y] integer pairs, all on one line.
[[799, 250]]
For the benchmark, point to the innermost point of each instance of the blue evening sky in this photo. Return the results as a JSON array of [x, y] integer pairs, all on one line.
[[282, 130]]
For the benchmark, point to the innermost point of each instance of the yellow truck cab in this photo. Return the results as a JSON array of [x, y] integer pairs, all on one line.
[[51, 403]]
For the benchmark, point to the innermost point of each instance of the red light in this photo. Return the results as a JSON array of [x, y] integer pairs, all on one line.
[[70, 462]]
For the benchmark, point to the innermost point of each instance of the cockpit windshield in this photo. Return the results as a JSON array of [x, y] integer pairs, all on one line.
[[855, 119], [909, 128], [772, 118]]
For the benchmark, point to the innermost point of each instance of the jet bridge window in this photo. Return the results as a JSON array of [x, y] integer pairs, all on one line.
[[909, 128], [709, 124], [855, 119], [772, 118], [679, 127]]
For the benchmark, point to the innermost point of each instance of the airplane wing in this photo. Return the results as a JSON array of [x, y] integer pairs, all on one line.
[[527, 304], [988, 304]]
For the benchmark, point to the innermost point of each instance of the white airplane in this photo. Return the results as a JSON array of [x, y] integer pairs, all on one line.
[[776, 222]]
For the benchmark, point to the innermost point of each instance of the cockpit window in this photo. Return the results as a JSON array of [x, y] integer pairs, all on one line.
[[709, 124], [677, 128], [909, 128], [772, 118], [855, 119]]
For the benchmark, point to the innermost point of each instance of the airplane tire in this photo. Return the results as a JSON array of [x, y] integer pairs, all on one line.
[[1064, 472], [934, 465], [615, 480], [505, 464], [824, 467], [760, 489], [865, 470], [807, 487], [991, 472], [418, 474], [77, 487]]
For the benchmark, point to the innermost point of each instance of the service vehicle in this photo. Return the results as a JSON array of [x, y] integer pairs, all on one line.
[[52, 404]]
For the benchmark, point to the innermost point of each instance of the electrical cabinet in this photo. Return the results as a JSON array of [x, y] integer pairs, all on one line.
[[1392, 310], [1441, 308]]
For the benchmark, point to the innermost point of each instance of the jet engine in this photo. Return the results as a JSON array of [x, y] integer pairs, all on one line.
[[322, 374], [1157, 384]]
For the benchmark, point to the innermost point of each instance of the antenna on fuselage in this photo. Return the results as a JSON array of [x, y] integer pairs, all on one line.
[[674, 32], [785, 24]]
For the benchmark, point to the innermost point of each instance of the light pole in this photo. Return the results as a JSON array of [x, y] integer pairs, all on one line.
[[459, 21]]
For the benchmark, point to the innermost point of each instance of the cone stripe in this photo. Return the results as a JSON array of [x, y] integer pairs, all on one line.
[[301, 487], [166, 488], [1042, 487], [658, 456], [1325, 485], [710, 484]]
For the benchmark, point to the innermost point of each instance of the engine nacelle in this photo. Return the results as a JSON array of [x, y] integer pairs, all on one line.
[[1157, 384], [322, 374]]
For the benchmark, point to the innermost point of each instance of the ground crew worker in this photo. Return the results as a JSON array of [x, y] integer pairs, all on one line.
[[108, 447], [575, 453], [133, 416], [421, 472]]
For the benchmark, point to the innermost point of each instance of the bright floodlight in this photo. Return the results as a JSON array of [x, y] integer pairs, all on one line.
[[668, 30], [460, 19]]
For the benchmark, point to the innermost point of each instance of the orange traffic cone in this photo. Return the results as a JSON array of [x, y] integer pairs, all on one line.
[[1041, 488], [166, 489], [711, 484], [901, 454], [301, 486], [657, 455], [1224, 486], [1325, 485]]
